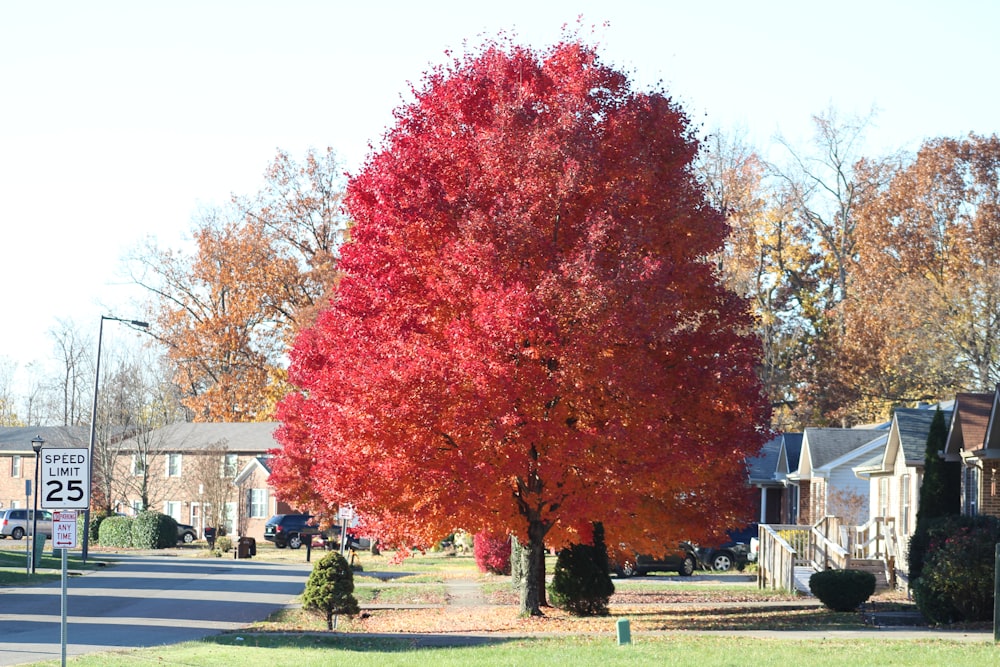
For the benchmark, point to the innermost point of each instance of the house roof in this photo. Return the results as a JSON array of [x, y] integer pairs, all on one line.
[[967, 431], [261, 462], [824, 446], [762, 467], [251, 437], [17, 439], [792, 444], [913, 426]]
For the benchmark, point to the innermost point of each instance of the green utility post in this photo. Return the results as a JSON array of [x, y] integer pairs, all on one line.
[[624, 632]]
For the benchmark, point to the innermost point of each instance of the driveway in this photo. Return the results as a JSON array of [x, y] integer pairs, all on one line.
[[144, 601]]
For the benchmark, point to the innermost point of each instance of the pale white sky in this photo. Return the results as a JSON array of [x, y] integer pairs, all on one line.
[[118, 120]]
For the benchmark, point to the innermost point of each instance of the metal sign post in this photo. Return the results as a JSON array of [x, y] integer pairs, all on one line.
[[65, 487]]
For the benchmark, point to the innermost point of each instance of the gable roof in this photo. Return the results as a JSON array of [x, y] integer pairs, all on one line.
[[762, 467], [913, 425], [792, 447], [261, 462], [17, 439], [967, 431], [248, 437], [826, 447]]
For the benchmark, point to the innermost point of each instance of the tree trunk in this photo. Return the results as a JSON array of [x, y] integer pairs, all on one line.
[[533, 567]]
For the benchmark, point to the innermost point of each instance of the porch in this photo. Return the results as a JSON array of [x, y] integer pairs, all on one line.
[[789, 554]]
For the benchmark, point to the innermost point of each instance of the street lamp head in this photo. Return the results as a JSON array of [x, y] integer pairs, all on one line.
[[36, 443]]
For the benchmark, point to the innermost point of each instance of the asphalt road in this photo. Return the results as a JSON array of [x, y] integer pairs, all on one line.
[[143, 601]]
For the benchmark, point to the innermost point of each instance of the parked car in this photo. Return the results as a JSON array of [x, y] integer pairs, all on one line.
[[16, 523], [186, 534], [684, 561], [288, 530], [734, 554]]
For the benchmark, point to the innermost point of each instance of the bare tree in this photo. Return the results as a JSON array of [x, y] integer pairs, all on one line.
[[215, 473]]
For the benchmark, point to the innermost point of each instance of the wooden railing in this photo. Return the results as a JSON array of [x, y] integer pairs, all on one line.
[[777, 557], [826, 552], [876, 539], [782, 548]]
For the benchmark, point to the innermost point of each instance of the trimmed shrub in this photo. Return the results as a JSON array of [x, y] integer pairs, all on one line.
[[957, 579], [492, 552], [116, 531], [154, 530], [330, 589], [582, 582], [96, 518], [842, 590], [223, 544]]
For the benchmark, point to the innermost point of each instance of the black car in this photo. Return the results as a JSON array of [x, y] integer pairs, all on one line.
[[186, 533], [289, 530], [732, 555], [684, 561]]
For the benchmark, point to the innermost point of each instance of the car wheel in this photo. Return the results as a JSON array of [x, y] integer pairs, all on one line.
[[722, 561], [17, 533], [687, 568], [295, 541], [188, 538], [627, 569]]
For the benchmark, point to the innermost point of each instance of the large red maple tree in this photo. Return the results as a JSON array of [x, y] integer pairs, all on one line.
[[528, 334]]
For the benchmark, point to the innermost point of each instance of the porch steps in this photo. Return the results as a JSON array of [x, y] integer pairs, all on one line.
[[802, 574], [874, 565]]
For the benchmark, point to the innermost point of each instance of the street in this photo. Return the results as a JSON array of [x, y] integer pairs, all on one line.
[[144, 601]]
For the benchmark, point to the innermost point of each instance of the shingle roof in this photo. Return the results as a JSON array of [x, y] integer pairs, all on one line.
[[829, 444], [793, 450], [17, 439], [256, 437], [914, 425], [763, 466], [971, 417]]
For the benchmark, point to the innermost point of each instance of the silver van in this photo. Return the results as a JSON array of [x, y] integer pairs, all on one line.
[[16, 523]]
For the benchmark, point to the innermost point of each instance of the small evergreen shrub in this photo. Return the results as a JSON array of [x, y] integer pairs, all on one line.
[[957, 579], [330, 589], [492, 552], [582, 582], [842, 590], [223, 544], [154, 530], [116, 531], [96, 518]]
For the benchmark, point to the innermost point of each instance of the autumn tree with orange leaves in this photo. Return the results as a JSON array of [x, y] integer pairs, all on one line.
[[259, 271], [528, 335]]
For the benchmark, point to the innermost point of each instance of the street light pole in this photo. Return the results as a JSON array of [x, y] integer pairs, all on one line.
[[36, 444], [93, 419]]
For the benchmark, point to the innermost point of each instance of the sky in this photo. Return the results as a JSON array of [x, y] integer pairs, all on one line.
[[119, 121]]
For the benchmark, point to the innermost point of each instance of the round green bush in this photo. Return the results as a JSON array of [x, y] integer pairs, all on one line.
[[116, 531], [330, 588], [581, 583], [154, 530], [957, 580], [842, 590]]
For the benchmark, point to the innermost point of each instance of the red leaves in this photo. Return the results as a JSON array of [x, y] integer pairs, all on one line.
[[526, 323]]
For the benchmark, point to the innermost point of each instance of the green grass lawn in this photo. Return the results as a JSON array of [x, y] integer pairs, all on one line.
[[248, 650]]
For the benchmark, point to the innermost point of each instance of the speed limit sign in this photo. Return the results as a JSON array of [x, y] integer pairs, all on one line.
[[65, 479]]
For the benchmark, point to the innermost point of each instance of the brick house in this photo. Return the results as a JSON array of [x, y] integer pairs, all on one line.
[[974, 441], [201, 474]]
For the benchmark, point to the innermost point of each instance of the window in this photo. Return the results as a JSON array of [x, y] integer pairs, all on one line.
[[172, 508], [15, 466], [258, 503], [229, 463], [138, 464], [173, 465], [970, 482], [883, 497], [904, 505]]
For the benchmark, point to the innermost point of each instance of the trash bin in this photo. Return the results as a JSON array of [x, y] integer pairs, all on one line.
[[210, 537], [246, 547], [36, 553]]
